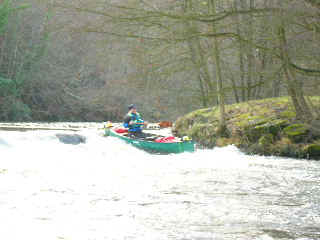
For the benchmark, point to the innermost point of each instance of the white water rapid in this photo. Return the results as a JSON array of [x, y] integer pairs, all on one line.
[[106, 189]]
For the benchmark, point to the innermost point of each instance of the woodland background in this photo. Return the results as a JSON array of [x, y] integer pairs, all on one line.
[[88, 60]]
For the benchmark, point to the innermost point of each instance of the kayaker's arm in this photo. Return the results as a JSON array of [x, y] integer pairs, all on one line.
[[127, 121]]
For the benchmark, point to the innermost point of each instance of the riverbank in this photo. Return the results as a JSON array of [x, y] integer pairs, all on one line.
[[264, 127]]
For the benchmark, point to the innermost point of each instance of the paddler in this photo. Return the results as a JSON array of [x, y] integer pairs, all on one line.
[[134, 122]]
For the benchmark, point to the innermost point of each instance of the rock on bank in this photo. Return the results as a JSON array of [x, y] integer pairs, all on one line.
[[265, 127]]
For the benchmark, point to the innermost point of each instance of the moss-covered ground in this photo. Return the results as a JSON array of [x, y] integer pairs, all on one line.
[[265, 127]]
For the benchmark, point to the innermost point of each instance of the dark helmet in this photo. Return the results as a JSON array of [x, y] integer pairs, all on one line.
[[131, 106]]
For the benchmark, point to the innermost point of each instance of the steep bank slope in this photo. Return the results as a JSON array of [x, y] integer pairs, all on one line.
[[266, 127]]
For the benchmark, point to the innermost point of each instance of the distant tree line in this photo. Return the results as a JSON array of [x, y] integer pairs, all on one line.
[[91, 59]]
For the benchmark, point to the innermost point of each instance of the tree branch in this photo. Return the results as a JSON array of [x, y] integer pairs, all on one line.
[[315, 3], [313, 72]]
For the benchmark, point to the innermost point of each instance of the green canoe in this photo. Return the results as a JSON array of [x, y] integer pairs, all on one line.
[[152, 146]]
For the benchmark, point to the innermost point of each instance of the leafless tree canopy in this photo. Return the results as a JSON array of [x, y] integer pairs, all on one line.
[[82, 60]]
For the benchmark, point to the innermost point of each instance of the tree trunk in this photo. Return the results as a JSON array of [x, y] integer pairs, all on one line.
[[250, 53], [197, 58], [216, 58], [302, 109], [241, 56]]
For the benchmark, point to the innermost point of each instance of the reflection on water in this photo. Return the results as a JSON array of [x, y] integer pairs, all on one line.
[[106, 189]]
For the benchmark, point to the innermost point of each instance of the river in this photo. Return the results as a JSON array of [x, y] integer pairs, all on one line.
[[106, 189]]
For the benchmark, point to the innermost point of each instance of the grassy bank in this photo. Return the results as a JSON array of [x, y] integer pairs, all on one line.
[[265, 127]]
